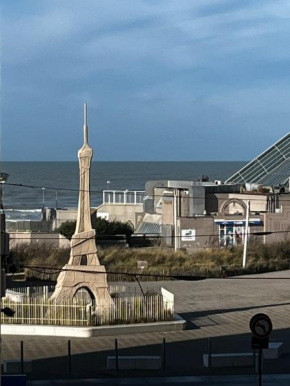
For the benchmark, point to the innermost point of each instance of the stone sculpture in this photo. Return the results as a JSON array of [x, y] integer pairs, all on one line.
[[83, 262]]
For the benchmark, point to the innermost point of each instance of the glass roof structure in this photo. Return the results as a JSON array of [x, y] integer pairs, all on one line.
[[271, 168]]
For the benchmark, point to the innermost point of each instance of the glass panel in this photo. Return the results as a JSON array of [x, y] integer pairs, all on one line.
[[109, 197], [130, 197], [140, 197], [229, 235], [119, 197]]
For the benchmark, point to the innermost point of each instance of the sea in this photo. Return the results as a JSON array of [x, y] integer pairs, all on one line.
[[34, 185]]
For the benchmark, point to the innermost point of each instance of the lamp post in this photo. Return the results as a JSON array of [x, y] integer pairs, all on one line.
[[3, 240], [43, 198], [56, 199], [246, 234], [175, 220]]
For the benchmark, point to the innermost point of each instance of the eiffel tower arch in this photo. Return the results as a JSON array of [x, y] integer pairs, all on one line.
[[83, 269]]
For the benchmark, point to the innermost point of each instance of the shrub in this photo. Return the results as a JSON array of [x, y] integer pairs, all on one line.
[[102, 227]]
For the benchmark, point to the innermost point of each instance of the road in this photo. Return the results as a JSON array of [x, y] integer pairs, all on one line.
[[216, 308]]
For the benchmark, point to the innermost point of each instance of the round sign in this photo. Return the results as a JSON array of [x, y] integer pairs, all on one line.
[[261, 326]]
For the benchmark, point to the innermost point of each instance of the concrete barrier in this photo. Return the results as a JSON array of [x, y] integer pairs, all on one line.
[[274, 351], [15, 367], [87, 332], [135, 362], [229, 360]]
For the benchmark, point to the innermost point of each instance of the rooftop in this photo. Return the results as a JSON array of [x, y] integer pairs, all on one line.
[[271, 168]]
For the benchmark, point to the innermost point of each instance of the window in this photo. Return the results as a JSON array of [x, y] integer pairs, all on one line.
[[84, 260], [231, 234]]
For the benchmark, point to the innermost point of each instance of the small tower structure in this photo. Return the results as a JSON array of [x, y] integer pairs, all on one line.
[[83, 262]]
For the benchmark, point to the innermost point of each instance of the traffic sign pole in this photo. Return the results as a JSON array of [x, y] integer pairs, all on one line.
[[260, 366], [261, 327]]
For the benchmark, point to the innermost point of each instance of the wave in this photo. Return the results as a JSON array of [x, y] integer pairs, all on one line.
[[24, 210]]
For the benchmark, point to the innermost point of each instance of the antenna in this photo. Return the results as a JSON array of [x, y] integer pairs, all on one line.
[[85, 124]]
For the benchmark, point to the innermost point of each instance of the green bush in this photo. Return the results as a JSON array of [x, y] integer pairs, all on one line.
[[102, 227]]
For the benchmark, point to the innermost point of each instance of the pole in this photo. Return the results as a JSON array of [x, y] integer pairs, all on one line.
[[1, 250], [209, 353], [260, 366], [175, 220], [22, 356], [246, 235], [69, 356], [0, 281], [43, 190], [116, 355], [56, 199], [164, 354]]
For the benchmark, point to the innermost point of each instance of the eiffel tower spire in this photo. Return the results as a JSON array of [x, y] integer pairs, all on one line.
[[85, 124]]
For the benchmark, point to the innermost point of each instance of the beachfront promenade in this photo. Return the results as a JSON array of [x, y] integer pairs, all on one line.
[[217, 308]]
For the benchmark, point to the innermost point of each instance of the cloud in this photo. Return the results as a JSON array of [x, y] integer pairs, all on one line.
[[145, 65]]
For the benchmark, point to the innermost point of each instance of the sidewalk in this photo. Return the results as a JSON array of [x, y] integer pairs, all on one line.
[[268, 380]]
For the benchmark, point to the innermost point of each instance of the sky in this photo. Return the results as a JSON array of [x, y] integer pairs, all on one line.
[[172, 80]]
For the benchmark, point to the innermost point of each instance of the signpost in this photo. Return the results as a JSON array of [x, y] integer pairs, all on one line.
[[188, 234], [261, 327]]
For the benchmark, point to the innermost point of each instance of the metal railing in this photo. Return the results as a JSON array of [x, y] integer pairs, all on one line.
[[129, 197]]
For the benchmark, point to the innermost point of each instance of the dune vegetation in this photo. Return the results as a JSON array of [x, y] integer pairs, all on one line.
[[212, 262]]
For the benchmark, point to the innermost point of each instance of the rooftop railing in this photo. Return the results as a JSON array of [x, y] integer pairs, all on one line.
[[131, 197]]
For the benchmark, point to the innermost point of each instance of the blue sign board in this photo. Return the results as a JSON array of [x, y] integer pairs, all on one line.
[[237, 222], [13, 380]]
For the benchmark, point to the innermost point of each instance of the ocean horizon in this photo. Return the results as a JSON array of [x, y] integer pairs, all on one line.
[[26, 202]]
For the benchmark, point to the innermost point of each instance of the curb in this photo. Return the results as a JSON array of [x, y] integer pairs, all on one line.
[[88, 332]]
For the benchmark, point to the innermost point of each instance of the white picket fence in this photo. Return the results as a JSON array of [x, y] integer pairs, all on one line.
[[77, 312], [47, 290], [42, 311]]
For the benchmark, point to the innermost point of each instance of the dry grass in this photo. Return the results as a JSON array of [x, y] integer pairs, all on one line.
[[210, 262]]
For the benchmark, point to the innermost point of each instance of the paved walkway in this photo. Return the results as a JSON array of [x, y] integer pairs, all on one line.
[[217, 308]]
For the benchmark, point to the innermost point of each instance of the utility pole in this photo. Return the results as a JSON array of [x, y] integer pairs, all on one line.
[[175, 221], [246, 235], [43, 198], [4, 244]]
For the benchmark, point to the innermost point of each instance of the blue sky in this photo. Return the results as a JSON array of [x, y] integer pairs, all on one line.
[[164, 80]]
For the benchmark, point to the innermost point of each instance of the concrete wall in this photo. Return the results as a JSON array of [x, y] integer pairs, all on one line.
[[54, 240], [167, 210], [28, 226], [275, 222], [202, 226], [121, 212]]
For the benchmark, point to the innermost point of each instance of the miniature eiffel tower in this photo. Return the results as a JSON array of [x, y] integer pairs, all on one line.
[[83, 262]]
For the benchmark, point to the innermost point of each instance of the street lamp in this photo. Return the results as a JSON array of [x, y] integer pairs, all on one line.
[[43, 190], [6, 310]]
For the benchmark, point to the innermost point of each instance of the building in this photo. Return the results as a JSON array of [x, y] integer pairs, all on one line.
[[198, 214], [192, 215]]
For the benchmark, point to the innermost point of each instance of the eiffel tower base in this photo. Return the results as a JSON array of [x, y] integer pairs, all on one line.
[[74, 277]]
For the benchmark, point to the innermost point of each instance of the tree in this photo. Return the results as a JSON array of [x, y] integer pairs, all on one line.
[[102, 227], [67, 229]]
